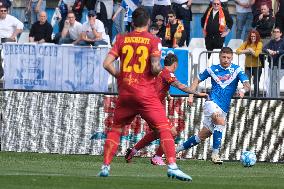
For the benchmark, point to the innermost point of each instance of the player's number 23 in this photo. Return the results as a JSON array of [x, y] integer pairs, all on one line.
[[142, 52]]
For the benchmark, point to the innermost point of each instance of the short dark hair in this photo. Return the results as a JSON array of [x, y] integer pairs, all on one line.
[[154, 26], [277, 27], [170, 59], [226, 50], [140, 17], [172, 12]]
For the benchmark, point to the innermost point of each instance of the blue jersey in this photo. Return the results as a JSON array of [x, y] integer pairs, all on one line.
[[224, 83], [129, 7]]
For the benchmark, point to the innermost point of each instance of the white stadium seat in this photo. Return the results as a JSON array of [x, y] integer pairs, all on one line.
[[235, 43], [196, 43], [24, 37], [214, 58]]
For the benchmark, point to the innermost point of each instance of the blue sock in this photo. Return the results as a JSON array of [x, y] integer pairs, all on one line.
[[217, 137], [192, 141]]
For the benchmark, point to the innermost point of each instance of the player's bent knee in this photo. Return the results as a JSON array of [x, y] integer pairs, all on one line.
[[220, 122], [218, 119]]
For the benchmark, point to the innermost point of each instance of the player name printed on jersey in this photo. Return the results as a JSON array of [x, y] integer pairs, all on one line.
[[141, 40]]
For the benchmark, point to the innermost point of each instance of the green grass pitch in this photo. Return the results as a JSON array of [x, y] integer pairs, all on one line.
[[50, 171]]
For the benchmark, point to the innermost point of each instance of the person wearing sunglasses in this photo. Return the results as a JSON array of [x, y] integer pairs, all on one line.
[[93, 31], [216, 23], [175, 34], [10, 26]]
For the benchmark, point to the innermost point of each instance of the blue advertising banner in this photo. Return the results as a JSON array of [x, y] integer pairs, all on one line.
[[182, 72], [54, 67]]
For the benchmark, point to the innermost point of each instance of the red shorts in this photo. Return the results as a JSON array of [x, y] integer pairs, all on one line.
[[149, 108]]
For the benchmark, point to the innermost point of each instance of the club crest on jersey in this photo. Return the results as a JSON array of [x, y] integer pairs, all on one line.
[[224, 77], [231, 70]]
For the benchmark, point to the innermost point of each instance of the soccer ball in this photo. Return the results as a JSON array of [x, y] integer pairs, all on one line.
[[248, 158]]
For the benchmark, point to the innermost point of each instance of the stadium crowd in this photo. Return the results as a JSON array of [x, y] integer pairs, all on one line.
[[170, 21]]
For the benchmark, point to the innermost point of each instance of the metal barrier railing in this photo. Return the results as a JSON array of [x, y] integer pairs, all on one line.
[[276, 75], [191, 68], [267, 78], [262, 84]]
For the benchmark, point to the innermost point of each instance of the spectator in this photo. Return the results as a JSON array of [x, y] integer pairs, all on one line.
[[175, 34], [77, 8], [256, 8], [161, 26], [161, 7], [6, 3], [90, 4], [71, 31], [154, 29], [93, 31], [129, 8], [148, 6], [280, 15], [104, 10], [275, 48], [182, 8], [63, 9], [10, 26], [264, 24], [252, 47], [119, 19], [41, 30], [244, 17], [35, 7], [216, 24], [18, 9]]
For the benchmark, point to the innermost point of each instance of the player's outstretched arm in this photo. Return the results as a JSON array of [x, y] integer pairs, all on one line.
[[177, 84], [156, 67], [187, 89], [108, 65]]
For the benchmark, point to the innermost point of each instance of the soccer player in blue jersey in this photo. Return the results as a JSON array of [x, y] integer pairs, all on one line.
[[224, 79]]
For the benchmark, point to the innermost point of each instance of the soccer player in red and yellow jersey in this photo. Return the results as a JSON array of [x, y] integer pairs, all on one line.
[[139, 53], [164, 80]]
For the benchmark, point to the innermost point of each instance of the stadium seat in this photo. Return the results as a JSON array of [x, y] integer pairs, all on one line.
[[239, 60], [196, 43], [214, 58], [24, 37], [235, 43]]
